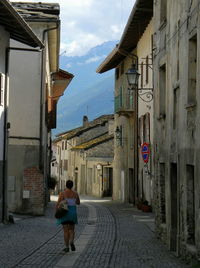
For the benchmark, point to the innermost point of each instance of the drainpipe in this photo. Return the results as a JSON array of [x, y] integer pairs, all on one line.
[[41, 94]]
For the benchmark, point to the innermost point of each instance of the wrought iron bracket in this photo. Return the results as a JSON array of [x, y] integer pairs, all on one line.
[[144, 96]]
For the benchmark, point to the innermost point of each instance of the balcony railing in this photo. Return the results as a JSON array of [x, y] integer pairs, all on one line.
[[124, 103]]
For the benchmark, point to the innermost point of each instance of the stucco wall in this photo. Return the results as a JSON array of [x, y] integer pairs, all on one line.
[[123, 154], [28, 86], [146, 171], [24, 93]]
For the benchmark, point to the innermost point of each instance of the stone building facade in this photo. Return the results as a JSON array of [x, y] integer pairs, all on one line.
[[89, 157], [133, 117], [176, 121]]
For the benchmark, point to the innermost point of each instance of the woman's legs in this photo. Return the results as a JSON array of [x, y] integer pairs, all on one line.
[[66, 234], [71, 236]]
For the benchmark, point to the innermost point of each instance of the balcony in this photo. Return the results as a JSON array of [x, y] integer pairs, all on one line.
[[124, 103]]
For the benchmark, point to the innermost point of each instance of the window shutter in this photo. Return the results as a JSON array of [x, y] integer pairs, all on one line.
[[2, 88]]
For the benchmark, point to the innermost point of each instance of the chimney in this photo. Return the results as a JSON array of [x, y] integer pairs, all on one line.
[[85, 121]]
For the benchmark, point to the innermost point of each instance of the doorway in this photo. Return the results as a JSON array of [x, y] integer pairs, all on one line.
[[174, 208], [190, 205], [131, 186], [110, 181]]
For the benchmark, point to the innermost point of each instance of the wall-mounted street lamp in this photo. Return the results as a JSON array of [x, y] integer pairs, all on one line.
[[76, 169], [132, 78]]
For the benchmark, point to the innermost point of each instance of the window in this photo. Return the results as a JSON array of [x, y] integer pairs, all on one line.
[[162, 90], [116, 73], [144, 129], [174, 205], [121, 140], [94, 174], [175, 112], [147, 70], [192, 70], [162, 193], [190, 204], [141, 138], [61, 166], [147, 127], [65, 145], [142, 74], [163, 10], [2, 87], [65, 164]]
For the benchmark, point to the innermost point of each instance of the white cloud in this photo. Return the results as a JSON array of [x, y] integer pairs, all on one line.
[[94, 59], [68, 65], [88, 23]]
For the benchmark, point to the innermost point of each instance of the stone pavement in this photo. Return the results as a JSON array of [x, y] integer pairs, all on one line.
[[109, 234]]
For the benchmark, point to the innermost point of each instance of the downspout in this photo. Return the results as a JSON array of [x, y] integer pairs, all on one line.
[[41, 94], [5, 145]]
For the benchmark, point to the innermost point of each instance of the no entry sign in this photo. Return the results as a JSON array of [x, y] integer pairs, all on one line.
[[145, 150]]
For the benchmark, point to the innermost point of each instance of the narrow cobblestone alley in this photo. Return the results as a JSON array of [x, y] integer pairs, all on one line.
[[109, 234]]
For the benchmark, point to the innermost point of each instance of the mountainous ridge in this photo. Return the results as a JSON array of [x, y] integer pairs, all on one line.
[[89, 93]]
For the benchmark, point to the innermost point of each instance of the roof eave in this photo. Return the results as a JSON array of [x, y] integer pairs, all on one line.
[[111, 61], [30, 38], [130, 36]]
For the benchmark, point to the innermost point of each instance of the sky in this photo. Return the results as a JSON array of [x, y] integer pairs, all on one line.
[[88, 23]]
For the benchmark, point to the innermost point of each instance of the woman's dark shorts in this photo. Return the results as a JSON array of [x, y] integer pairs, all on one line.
[[68, 222]]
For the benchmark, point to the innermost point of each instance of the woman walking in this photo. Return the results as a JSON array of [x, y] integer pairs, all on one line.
[[70, 219]]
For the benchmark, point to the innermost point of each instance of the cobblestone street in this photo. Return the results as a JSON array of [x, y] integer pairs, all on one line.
[[109, 234]]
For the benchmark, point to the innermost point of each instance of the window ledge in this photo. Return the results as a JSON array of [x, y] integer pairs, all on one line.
[[190, 106]]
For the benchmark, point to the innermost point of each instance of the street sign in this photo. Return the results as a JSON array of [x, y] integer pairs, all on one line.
[[145, 150]]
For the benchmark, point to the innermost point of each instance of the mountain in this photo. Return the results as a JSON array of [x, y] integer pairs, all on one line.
[[89, 93]]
